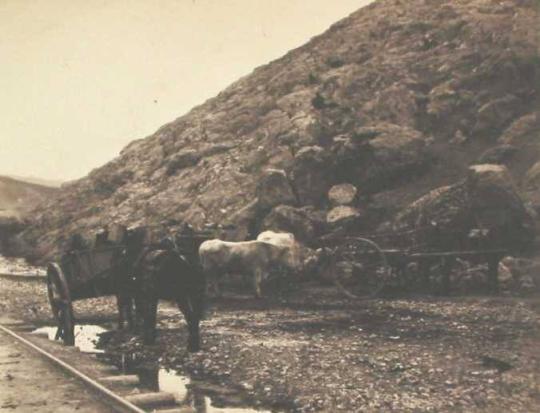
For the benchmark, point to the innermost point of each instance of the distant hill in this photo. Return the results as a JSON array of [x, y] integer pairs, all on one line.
[[55, 183], [399, 98], [18, 197]]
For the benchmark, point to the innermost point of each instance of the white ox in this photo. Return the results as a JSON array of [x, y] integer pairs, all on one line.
[[254, 258]]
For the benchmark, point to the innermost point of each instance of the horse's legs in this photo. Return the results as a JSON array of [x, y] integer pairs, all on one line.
[[120, 304], [130, 317], [150, 316], [213, 286], [139, 311], [193, 317], [257, 280]]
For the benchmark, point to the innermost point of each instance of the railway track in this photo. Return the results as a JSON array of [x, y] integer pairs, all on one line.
[[123, 393], [25, 277]]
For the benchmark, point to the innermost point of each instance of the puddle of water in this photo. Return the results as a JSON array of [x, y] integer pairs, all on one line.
[[202, 397], [86, 336], [189, 394]]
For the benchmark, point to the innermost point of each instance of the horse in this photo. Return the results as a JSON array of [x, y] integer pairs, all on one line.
[[163, 271]]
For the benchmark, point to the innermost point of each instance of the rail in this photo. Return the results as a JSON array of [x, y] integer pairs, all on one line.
[[76, 373]]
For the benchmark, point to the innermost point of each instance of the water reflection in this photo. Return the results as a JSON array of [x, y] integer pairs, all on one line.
[[86, 336], [194, 394]]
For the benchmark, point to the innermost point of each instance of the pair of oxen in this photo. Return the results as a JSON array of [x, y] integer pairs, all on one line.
[[178, 268]]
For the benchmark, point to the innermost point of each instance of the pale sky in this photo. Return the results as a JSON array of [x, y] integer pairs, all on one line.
[[79, 79]]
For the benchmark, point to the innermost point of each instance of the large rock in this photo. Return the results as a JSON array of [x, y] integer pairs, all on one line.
[[289, 219], [379, 157], [486, 199], [342, 215], [342, 194], [311, 174], [274, 189]]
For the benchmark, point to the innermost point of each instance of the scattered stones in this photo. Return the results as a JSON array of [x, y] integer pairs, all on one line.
[[342, 194]]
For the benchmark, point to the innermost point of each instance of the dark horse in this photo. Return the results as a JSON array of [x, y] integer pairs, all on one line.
[[165, 271], [122, 268]]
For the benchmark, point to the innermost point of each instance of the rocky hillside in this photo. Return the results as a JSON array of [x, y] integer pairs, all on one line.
[[395, 100]]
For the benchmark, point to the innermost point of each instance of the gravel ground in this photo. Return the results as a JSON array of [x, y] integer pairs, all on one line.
[[313, 351]]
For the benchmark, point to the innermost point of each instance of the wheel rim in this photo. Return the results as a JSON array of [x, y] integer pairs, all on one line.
[[60, 302], [369, 272]]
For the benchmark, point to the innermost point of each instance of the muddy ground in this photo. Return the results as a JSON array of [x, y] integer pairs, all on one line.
[[311, 350]]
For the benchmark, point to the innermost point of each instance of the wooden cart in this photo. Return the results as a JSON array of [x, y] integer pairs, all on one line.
[[375, 261], [82, 274]]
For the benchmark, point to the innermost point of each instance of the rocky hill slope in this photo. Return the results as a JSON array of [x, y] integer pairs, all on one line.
[[397, 99]]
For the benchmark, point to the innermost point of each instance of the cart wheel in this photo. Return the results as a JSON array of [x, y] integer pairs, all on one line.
[[61, 305], [366, 266]]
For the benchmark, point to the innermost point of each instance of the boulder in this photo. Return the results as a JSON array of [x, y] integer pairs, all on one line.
[[342, 215], [311, 174], [286, 218], [274, 189], [497, 155], [380, 156], [342, 194], [486, 199]]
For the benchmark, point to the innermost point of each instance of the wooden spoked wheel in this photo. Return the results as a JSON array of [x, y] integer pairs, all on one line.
[[363, 267], [61, 305]]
